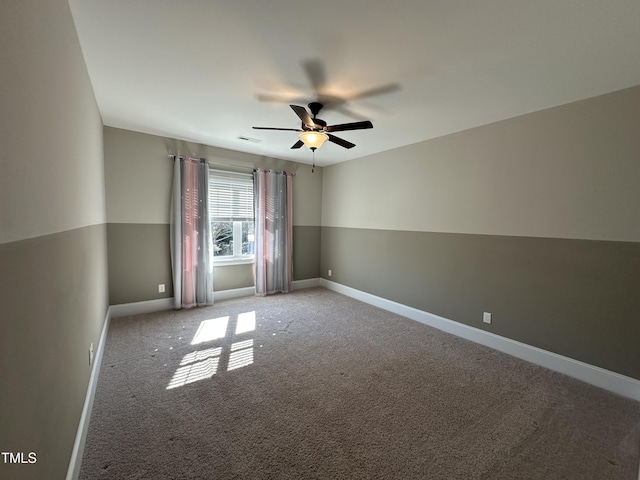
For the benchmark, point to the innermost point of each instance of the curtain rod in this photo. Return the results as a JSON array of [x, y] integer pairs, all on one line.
[[171, 155]]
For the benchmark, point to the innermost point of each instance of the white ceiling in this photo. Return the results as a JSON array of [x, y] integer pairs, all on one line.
[[194, 70]]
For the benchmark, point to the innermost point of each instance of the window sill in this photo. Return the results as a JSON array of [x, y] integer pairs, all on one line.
[[232, 261]]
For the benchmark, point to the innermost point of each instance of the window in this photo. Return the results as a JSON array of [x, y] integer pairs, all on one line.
[[231, 212]]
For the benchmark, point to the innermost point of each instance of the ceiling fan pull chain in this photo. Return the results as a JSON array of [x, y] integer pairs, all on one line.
[[313, 166]]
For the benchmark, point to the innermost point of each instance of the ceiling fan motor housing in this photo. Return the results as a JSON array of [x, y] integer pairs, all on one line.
[[317, 121]]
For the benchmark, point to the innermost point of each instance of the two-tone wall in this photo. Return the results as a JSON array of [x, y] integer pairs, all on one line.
[[138, 190], [535, 219], [53, 253]]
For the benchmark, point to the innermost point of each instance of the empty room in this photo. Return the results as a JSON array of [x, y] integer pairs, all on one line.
[[291, 240]]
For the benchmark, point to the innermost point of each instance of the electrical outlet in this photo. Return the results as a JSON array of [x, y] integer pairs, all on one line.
[[91, 354], [161, 288], [329, 272], [486, 317]]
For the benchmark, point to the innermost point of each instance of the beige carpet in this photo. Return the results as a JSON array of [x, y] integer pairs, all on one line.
[[316, 385]]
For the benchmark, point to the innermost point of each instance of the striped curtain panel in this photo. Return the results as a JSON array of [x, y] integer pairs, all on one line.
[[191, 246], [273, 230]]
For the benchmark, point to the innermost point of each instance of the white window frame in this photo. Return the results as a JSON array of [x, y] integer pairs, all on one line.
[[237, 257]]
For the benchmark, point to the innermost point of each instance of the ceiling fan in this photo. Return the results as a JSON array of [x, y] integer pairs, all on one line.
[[315, 131]]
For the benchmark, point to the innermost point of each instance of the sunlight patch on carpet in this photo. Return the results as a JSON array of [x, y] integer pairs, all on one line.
[[201, 355], [246, 322], [241, 345], [211, 329], [194, 372], [240, 358], [204, 364]]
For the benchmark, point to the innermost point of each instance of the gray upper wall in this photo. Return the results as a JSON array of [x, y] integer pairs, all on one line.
[[567, 172], [139, 174], [48, 184]]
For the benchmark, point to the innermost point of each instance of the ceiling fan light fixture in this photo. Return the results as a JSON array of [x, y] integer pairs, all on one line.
[[313, 140]]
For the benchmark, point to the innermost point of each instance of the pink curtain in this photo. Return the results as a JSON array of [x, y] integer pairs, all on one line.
[[274, 231], [191, 247]]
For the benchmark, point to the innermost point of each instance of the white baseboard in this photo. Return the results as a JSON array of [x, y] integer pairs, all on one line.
[[307, 283], [248, 291], [81, 435], [134, 308], [234, 293], [614, 382], [158, 305]]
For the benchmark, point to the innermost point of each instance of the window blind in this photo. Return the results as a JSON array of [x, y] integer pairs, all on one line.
[[230, 196]]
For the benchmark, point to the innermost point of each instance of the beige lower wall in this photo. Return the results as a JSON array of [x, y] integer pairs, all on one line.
[[577, 298], [306, 252], [53, 292], [140, 260], [229, 277]]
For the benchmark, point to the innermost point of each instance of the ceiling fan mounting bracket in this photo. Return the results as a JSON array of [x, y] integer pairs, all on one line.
[[315, 108]]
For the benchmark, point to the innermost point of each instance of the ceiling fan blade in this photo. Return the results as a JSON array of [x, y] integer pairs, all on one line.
[[392, 87], [347, 112], [298, 144], [340, 141], [316, 73], [276, 128], [277, 98], [304, 116], [349, 126]]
